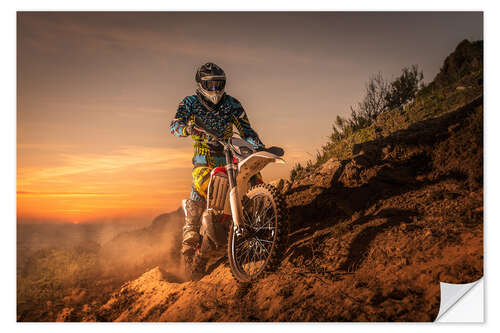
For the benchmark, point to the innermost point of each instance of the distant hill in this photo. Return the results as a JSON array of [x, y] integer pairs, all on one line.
[[135, 251]]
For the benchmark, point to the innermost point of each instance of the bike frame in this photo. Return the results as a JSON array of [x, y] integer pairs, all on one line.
[[239, 176]]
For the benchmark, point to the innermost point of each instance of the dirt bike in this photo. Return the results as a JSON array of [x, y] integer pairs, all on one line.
[[249, 223]]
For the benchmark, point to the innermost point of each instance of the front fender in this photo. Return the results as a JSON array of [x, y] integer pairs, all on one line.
[[246, 169], [251, 166]]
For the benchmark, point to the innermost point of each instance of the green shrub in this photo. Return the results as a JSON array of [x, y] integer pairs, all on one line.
[[387, 108]]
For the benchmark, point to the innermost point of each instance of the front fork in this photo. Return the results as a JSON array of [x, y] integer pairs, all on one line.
[[234, 200]]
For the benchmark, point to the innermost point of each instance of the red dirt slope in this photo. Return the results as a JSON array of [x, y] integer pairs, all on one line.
[[372, 238]]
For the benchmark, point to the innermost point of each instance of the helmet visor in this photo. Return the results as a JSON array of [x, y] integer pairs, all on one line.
[[213, 85]]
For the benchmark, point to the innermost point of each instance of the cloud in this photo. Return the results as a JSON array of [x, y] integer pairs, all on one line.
[[128, 181], [129, 159], [65, 194], [48, 34], [139, 112]]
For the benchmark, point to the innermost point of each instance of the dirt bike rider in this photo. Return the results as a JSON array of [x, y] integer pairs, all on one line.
[[219, 111]]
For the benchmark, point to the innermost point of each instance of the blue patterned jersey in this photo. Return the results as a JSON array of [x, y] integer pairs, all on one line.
[[227, 113]]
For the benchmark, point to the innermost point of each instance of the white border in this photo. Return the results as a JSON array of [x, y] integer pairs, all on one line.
[[8, 129]]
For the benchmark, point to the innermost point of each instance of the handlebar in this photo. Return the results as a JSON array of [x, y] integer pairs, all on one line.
[[199, 125]]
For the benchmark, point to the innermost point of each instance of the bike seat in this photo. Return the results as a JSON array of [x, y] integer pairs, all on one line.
[[274, 150]]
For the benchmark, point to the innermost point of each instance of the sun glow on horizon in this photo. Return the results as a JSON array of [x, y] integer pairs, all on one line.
[[128, 182]]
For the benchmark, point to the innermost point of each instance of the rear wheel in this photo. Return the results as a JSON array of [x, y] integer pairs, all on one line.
[[258, 247]]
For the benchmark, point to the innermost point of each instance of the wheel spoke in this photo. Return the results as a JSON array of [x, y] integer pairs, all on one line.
[[265, 249], [240, 249], [248, 218], [263, 240], [261, 203], [247, 254], [262, 246], [243, 254], [254, 210], [266, 223], [264, 214]]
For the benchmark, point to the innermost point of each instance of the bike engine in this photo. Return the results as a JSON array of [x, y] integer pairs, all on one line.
[[217, 191]]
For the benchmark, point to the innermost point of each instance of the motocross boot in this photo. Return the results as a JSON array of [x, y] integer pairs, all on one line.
[[191, 231], [198, 267]]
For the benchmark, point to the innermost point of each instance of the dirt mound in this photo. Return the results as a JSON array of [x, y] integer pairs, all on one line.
[[159, 296]]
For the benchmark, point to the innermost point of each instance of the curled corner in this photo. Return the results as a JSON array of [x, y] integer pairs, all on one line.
[[452, 294]]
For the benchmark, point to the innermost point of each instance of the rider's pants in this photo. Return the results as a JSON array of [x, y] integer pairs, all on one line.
[[203, 165]]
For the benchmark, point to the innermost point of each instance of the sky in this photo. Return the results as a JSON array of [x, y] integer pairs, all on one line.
[[96, 92]]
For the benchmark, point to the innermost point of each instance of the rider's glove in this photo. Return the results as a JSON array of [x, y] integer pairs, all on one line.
[[191, 130]]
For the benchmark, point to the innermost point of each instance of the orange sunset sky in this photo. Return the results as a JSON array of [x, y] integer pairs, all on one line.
[[96, 93]]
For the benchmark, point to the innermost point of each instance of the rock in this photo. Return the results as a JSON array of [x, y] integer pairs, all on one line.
[[356, 216], [86, 308], [301, 182], [386, 150], [327, 172], [321, 177], [361, 160], [350, 175], [76, 297], [65, 314], [278, 183]]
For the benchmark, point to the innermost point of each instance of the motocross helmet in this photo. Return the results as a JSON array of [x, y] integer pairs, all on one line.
[[211, 81]]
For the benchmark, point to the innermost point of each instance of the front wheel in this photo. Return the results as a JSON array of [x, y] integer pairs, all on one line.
[[258, 247]]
